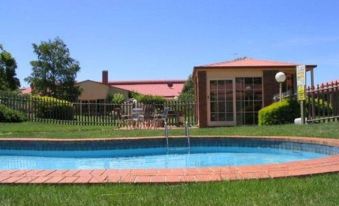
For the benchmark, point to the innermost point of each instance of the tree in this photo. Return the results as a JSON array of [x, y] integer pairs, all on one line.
[[8, 79], [188, 93], [54, 71]]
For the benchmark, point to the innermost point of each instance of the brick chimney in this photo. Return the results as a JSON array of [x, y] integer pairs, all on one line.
[[105, 77]]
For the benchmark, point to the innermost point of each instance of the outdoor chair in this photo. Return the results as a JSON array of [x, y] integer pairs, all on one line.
[[160, 119], [136, 120], [149, 113]]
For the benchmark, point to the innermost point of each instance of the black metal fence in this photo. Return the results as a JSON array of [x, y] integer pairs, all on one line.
[[42, 109], [322, 103]]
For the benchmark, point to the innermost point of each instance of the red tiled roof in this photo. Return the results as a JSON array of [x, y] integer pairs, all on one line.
[[27, 90], [164, 88], [250, 62], [145, 82]]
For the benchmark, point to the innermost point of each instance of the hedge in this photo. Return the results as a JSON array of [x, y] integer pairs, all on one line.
[[9, 115], [53, 108], [279, 112]]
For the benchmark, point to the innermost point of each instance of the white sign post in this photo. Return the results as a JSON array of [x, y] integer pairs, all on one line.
[[301, 85]]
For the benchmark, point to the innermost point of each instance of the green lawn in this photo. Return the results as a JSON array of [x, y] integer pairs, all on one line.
[[28, 129], [315, 190]]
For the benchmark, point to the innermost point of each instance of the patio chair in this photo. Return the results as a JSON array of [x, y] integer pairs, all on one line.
[[149, 113], [137, 118], [160, 119]]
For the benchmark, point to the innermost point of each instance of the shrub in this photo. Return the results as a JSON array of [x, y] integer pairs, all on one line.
[[151, 103], [52, 108], [118, 98], [186, 97], [187, 93], [148, 99], [279, 112], [9, 115], [135, 95]]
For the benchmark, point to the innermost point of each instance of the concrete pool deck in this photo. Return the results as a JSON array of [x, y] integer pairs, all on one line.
[[329, 164]]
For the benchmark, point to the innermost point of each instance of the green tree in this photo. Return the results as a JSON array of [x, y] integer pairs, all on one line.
[[8, 79], [54, 71], [188, 93]]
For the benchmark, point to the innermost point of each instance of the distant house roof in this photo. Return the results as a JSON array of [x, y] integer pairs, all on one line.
[[246, 62], [92, 81], [26, 90], [164, 88]]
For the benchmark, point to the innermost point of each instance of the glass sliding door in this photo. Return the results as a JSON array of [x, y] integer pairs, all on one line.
[[249, 99], [221, 101]]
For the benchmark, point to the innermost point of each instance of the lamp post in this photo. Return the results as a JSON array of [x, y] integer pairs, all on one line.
[[280, 77]]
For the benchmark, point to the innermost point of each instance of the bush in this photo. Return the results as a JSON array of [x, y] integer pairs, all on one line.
[[52, 108], [148, 99], [188, 91], [118, 98], [9, 115], [279, 112], [186, 97], [151, 103]]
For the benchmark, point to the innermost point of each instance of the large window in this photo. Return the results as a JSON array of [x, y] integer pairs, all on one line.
[[248, 99], [221, 100]]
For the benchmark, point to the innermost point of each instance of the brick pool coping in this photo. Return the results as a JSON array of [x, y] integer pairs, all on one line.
[[328, 164]]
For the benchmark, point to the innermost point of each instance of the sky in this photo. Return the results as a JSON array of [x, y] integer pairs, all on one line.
[[165, 39]]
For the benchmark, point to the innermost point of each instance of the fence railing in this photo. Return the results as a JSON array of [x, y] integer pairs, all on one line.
[[322, 104], [94, 113]]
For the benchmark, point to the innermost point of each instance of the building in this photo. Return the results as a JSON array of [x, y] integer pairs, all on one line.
[[98, 91], [232, 92]]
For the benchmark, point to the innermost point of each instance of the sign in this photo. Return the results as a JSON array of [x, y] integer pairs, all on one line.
[[301, 82]]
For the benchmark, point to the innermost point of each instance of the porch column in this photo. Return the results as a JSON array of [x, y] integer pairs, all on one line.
[[312, 93], [202, 98]]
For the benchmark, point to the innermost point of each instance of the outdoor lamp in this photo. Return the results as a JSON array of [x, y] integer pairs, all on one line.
[[280, 77]]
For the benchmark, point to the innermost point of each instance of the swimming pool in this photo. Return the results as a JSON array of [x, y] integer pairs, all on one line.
[[153, 153]]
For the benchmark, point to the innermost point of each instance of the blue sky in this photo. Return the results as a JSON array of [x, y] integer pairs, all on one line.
[[164, 39]]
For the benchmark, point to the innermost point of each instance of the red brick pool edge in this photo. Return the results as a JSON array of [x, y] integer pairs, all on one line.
[[328, 164]]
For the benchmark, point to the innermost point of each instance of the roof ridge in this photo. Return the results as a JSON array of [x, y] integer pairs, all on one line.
[[240, 58], [229, 61], [147, 81], [248, 61]]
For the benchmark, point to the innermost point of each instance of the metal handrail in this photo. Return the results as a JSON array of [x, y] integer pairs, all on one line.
[[187, 134], [166, 133]]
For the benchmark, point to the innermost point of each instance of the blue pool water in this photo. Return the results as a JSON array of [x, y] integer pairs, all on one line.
[[198, 155]]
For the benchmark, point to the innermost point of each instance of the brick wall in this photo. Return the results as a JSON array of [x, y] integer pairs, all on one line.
[[202, 99], [105, 77]]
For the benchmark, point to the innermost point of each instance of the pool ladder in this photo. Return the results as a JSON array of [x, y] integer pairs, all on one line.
[[166, 133], [187, 134]]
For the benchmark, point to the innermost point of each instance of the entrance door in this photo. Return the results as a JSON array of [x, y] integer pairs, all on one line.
[[221, 102]]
